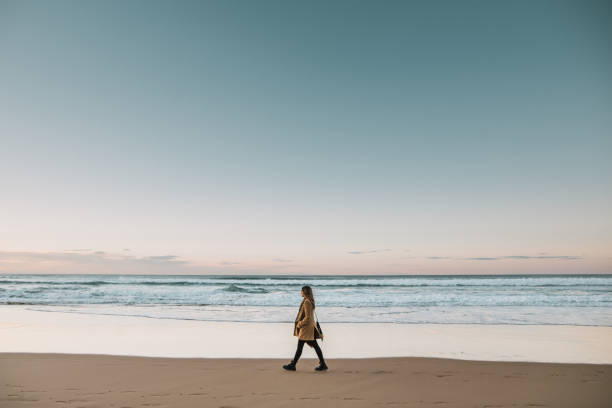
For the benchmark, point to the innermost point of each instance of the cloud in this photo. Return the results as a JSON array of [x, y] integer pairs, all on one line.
[[368, 252], [161, 258], [482, 258], [101, 262], [155, 259], [84, 262], [562, 257], [282, 260], [40, 257], [499, 258], [229, 263]]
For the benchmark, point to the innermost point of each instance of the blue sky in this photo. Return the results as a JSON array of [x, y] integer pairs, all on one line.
[[294, 137]]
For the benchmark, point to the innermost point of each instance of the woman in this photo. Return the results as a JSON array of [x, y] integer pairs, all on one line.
[[305, 328]]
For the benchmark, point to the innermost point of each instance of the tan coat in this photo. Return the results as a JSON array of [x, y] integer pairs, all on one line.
[[304, 326]]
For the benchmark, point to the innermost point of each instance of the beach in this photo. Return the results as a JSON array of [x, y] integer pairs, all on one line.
[[118, 341], [32, 329], [87, 360], [76, 380]]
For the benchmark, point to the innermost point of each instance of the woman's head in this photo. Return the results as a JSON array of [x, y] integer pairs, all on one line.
[[307, 293]]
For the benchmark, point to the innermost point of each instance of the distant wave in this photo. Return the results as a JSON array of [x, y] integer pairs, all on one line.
[[372, 283], [236, 288]]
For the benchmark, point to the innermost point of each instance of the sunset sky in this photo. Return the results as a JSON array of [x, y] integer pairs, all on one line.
[[343, 137]]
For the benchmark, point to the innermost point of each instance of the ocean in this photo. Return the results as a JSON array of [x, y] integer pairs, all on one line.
[[583, 300]]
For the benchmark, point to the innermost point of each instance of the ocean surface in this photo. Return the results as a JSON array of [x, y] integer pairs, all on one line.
[[406, 299]]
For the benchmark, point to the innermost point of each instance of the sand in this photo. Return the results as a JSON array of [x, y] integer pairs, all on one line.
[[76, 380], [50, 359], [23, 329]]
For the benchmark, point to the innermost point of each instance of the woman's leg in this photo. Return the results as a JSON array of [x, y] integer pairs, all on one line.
[[298, 352], [314, 344]]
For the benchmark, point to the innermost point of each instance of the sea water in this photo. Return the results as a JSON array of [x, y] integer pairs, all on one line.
[[403, 299]]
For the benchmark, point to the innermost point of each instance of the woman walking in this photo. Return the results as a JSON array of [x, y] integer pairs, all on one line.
[[304, 328]]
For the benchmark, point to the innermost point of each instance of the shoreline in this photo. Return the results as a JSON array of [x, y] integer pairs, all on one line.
[[40, 380], [90, 309], [305, 357], [28, 331]]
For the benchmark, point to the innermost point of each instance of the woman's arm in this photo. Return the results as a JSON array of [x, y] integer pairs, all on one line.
[[307, 314]]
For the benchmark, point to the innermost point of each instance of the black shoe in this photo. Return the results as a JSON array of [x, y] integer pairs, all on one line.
[[289, 367], [321, 367]]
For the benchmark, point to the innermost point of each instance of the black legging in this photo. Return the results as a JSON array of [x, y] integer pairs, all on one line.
[[312, 343]]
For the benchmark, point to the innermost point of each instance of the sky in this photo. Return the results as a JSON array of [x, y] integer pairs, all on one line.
[[285, 137]]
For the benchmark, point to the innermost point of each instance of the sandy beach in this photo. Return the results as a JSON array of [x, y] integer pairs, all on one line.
[[74, 380], [29, 329], [83, 360]]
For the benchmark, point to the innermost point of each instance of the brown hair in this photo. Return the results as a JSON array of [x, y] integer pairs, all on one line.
[[309, 295]]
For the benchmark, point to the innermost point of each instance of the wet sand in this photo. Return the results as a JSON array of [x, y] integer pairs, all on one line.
[[80, 380], [23, 330]]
